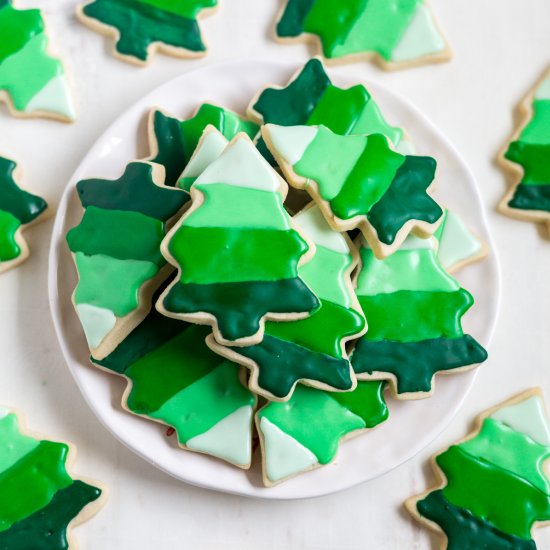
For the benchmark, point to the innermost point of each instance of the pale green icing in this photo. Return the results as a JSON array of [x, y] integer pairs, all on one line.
[[413, 270], [14, 445], [241, 165], [96, 322], [233, 206], [421, 37], [315, 226], [290, 142], [54, 97], [209, 149], [371, 121], [543, 90], [283, 455], [527, 417], [510, 450], [336, 167], [221, 388], [325, 275], [229, 439], [456, 242], [121, 295]]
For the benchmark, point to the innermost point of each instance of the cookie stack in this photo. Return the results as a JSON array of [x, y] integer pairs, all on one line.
[[269, 277]]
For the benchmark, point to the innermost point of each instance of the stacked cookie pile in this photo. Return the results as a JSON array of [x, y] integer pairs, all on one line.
[[274, 275]]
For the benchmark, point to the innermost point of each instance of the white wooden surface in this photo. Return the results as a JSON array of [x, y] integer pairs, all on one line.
[[500, 50]]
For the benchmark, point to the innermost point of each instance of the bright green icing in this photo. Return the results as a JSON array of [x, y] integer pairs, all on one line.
[[125, 278], [538, 128], [41, 473], [18, 28], [9, 225]]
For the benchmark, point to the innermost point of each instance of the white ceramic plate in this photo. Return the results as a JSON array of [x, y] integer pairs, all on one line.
[[412, 425]]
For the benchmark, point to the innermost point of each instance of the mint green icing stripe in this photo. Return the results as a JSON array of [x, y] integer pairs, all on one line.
[[14, 445]]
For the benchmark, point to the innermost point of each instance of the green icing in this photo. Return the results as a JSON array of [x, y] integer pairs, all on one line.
[[15, 445], [220, 388], [134, 191], [531, 197], [27, 72], [464, 530], [414, 364], [414, 270], [126, 277], [323, 331], [9, 249], [173, 365], [238, 253], [41, 473], [406, 199], [315, 420], [366, 401], [150, 25], [233, 204], [239, 307], [177, 139], [325, 274], [46, 529], [533, 157], [22, 205], [281, 364], [409, 316], [120, 234], [183, 8], [537, 130], [17, 28], [292, 21], [511, 451], [504, 499]]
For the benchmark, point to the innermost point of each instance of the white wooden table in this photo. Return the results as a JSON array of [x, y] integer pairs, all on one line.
[[500, 48]]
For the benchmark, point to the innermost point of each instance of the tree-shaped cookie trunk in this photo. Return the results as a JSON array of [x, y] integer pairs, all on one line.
[[305, 432], [142, 27], [394, 33], [175, 379], [40, 499], [492, 486], [311, 99], [18, 210], [359, 182], [173, 141], [116, 248], [32, 82], [237, 251], [414, 309], [313, 350], [526, 158]]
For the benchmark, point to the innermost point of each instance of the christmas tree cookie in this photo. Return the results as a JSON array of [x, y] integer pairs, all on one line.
[[312, 350], [143, 27], [394, 33], [526, 158], [492, 486], [40, 501], [414, 310], [173, 141], [18, 210], [359, 182], [237, 251], [173, 378], [305, 432], [310, 98], [116, 249], [32, 82]]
